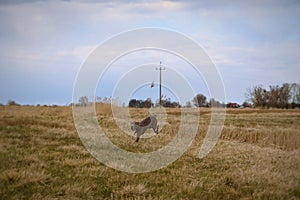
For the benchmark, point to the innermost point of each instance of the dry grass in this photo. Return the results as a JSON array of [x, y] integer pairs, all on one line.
[[257, 157]]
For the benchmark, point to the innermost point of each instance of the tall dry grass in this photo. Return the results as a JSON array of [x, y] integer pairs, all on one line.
[[257, 157]]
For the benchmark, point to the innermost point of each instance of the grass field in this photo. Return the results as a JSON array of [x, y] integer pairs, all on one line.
[[42, 157]]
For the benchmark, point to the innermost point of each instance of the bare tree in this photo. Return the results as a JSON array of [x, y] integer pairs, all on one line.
[[188, 104], [273, 96], [12, 103], [284, 96], [276, 97], [257, 95], [295, 93], [83, 101], [214, 103], [199, 100]]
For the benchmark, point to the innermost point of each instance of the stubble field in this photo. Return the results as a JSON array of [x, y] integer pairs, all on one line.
[[42, 157]]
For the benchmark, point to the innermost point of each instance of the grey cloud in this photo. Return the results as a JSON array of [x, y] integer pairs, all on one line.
[[12, 2]]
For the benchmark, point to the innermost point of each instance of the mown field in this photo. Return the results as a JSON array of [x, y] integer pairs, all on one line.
[[42, 157]]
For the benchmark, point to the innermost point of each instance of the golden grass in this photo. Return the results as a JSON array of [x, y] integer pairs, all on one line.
[[257, 157]]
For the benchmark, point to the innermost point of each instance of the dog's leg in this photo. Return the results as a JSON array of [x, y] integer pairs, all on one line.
[[156, 130]]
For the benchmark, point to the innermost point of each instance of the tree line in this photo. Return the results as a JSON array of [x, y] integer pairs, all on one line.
[[134, 103], [284, 96], [275, 96], [199, 100]]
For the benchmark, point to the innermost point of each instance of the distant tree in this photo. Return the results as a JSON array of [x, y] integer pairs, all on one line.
[[132, 103], [175, 105], [276, 97], [257, 95], [98, 99], [106, 100], [12, 103], [188, 104], [169, 104], [146, 104], [83, 101], [273, 96], [166, 102], [199, 100], [284, 95], [279, 96], [214, 103], [295, 93]]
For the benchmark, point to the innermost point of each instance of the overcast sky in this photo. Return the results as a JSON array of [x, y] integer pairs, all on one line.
[[44, 43]]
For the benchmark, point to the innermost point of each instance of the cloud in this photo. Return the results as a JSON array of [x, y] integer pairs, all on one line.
[[80, 52], [245, 39]]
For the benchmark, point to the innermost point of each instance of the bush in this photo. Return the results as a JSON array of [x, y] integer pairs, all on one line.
[[12, 103]]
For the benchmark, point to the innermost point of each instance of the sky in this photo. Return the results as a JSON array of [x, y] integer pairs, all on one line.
[[43, 44]]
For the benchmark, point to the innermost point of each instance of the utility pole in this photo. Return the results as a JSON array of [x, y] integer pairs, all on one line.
[[160, 77]]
